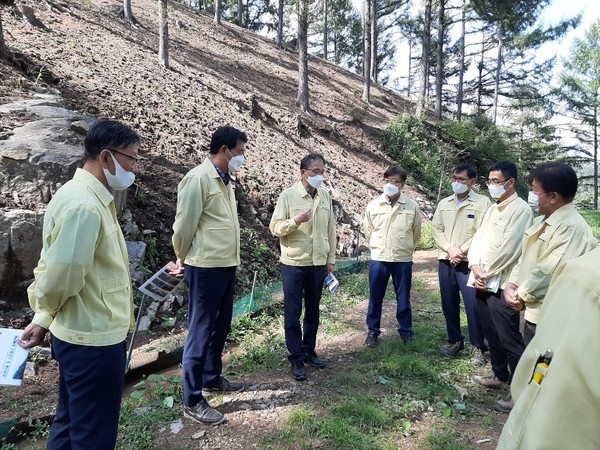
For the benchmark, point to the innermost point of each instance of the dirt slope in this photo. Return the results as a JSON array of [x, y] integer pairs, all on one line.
[[220, 75]]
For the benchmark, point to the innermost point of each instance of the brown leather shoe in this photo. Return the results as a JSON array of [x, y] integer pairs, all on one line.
[[489, 382]]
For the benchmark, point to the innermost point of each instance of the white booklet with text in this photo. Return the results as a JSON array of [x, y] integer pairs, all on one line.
[[12, 357]]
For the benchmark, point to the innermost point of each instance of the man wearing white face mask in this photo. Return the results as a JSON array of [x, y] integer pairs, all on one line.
[[206, 239], [82, 291], [392, 226], [558, 234], [455, 221], [304, 222], [494, 252]]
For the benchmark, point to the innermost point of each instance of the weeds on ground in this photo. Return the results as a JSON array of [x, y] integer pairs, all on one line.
[[155, 403]]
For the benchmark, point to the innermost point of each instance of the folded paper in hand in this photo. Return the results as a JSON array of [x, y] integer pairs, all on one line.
[[492, 285], [332, 283]]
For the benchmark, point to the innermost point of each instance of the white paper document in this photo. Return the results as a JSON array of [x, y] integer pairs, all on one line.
[[161, 284], [493, 283], [12, 357]]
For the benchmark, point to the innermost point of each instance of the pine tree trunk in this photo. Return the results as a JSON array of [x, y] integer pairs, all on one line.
[[409, 78], [217, 19], [480, 76], [279, 40], [497, 77], [374, 41], [163, 39], [461, 62], [303, 96], [127, 14], [424, 70], [240, 13], [366, 96], [3, 48], [439, 76], [325, 30]]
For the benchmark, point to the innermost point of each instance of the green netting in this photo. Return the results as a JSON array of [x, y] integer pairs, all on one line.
[[265, 295]]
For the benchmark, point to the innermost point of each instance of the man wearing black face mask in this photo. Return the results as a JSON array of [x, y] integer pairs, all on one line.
[[304, 222], [206, 239]]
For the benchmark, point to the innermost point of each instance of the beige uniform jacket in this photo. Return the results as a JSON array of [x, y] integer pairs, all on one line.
[[392, 231], [82, 288], [562, 236], [496, 246], [563, 411], [454, 225], [310, 243], [206, 232]]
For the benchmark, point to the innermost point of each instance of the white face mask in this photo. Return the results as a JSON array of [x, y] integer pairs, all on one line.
[[390, 189], [315, 181], [534, 200], [235, 162], [496, 191], [122, 179], [459, 188]]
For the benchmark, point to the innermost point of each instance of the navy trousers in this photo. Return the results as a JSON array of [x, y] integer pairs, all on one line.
[[299, 282], [379, 275], [90, 386], [500, 326], [453, 283], [210, 309]]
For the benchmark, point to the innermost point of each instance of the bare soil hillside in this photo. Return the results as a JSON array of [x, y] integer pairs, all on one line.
[[220, 75]]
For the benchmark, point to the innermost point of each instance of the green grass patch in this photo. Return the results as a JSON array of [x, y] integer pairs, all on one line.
[[593, 219], [426, 242], [446, 437]]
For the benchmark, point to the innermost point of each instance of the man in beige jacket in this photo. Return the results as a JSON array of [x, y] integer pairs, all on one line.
[[206, 239], [392, 226], [559, 407], [304, 222], [455, 221]]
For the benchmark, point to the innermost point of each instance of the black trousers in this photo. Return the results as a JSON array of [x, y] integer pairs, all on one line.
[[90, 385], [500, 326], [299, 282], [210, 309]]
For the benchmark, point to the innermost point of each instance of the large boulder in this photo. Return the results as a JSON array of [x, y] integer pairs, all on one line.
[[20, 245], [36, 158]]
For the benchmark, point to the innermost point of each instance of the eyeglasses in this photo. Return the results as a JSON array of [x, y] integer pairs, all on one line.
[[460, 180], [316, 171], [496, 182], [134, 159]]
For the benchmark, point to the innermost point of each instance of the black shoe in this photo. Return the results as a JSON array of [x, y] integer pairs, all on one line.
[[453, 348], [203, 413], [224, 385], [314, 360], [298, 371], [371, 340], [407, 339]]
